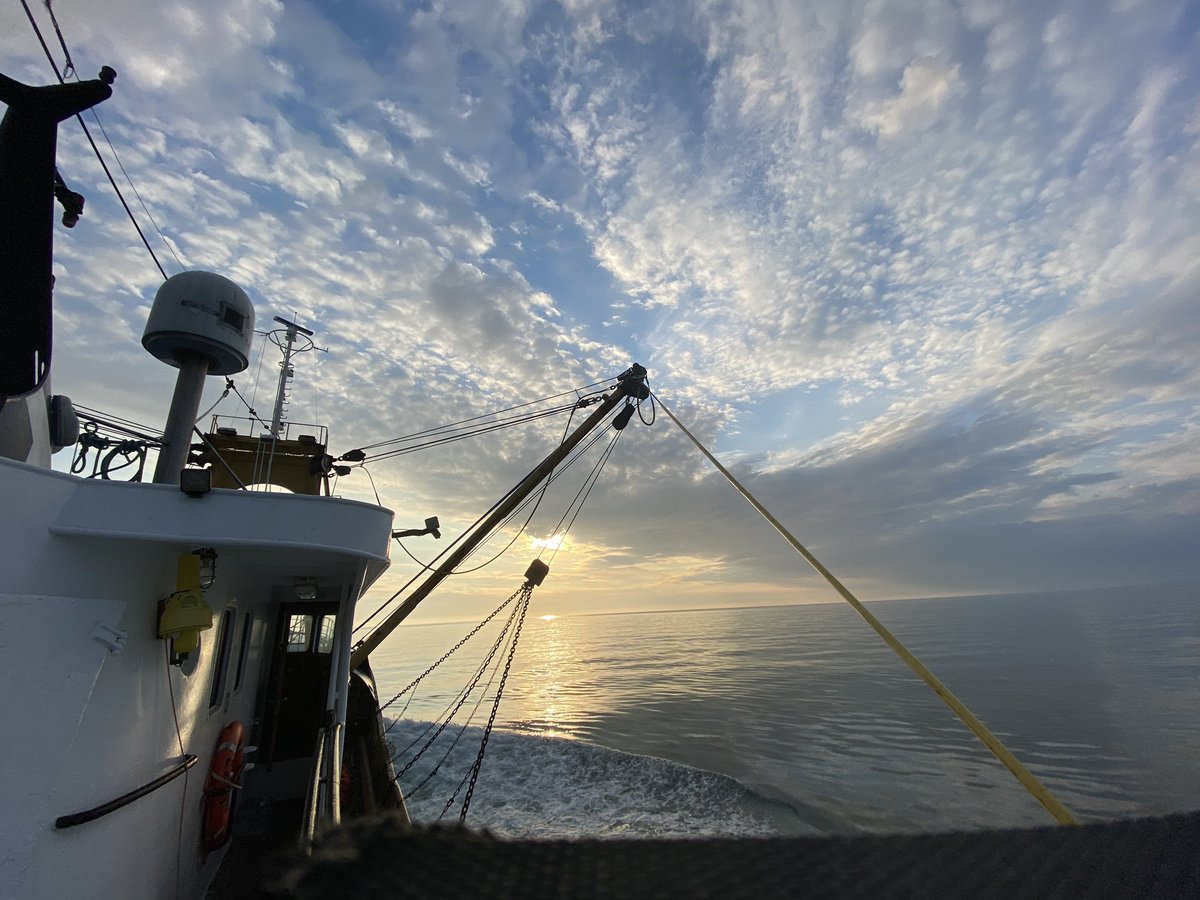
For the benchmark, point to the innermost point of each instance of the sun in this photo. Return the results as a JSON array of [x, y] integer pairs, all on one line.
[[550, 543], [549, 618]]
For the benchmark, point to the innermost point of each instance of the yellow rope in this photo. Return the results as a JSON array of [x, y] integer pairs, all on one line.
[[1023, 775]]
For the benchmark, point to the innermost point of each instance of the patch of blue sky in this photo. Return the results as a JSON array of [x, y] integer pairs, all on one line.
[[672, 73], [379, 32], [555, 257], [797, 419]]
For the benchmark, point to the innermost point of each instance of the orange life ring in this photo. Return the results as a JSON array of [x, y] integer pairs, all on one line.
[[223, 777]]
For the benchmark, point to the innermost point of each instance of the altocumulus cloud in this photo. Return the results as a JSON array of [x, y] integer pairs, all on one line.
[[925, 272]]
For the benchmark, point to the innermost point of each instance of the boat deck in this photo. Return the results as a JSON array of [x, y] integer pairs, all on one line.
[[1137, 858], [265, 834]]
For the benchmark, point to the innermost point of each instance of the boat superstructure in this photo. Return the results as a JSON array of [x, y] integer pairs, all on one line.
[[96, 705], [178, 651], [171, 650]]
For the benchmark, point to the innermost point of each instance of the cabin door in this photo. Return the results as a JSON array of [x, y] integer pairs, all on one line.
[[299, 687]]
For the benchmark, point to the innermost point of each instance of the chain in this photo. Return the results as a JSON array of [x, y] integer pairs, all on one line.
[[465, 694], [470, 634], [458, 737], [462, 782], [527, 592]]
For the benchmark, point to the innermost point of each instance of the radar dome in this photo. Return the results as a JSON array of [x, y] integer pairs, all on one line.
[[201, 314]]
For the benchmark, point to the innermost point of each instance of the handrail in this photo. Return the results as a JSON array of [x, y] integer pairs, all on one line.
[[96, 812], [328, 747], [308, 830], [335, 774]]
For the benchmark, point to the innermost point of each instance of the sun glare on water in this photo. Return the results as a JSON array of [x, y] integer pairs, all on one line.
[[549, 618]]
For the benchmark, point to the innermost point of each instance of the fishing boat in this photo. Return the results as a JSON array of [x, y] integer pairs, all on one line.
[[179, 658], [190, 638], [159, 638]]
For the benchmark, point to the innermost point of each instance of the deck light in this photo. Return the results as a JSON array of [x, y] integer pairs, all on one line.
[[195, 482]]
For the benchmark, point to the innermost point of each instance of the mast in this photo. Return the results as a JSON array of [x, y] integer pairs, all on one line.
[[288, 346], [631, 383]]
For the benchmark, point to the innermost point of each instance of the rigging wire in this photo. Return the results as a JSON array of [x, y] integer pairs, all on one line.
[[653, 408], [186, 771], [262, 350], [69, 65], [589, 483], [121, 425], [1002, 753], [428, 567], [550, 478], [224, 394], [91, 140], [386, 603], [254, 417], [447, 435], [379, 502], [497, 412], [69, 68], [591, 442], [508, 636], [133, 187]]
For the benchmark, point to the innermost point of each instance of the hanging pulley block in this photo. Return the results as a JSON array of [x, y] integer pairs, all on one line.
[[536, 573]]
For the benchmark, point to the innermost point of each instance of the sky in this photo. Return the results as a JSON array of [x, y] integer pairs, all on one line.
[[924, 274]]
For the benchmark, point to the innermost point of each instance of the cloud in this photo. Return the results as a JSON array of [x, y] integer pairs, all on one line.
[[922, 269], [925, 86]]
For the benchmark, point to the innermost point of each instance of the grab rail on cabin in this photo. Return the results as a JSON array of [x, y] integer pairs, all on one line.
[[334, 775], [308, 831], [96, 812], [324, 799]]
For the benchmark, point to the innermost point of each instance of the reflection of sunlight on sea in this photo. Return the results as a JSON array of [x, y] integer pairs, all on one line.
[[1094, 691], [545, 693]]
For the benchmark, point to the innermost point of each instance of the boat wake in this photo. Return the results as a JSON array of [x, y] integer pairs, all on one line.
[[533, 786]]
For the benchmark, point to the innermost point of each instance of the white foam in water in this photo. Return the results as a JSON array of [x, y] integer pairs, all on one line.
[[544, 787]]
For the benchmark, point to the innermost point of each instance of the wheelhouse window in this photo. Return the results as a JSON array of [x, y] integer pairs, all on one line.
[[300, 632], [311, 634], [325, 636], [247, 624], [224, 640]]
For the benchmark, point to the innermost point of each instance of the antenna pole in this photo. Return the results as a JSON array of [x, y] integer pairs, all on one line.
[[285, 372]]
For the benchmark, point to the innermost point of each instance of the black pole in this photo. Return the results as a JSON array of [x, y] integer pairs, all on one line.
[[28, 138]]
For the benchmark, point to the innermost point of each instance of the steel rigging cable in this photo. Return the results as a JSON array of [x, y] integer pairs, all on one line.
[[1002, 753], [95, 149], [579, 452], [577, 391]]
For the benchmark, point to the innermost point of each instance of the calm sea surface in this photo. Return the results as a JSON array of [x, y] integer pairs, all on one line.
[[799, 719]]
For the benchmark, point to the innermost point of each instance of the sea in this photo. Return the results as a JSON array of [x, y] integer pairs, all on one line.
[[792, 720]]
